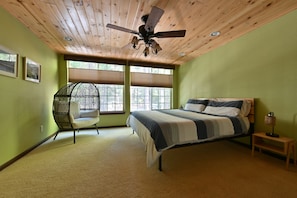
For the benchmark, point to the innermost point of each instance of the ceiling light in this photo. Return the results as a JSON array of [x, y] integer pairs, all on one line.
[[68, 38], [79, 3], [182, 54], [216, 33]]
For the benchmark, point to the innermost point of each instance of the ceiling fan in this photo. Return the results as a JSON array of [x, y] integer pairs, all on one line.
[[146, 31]]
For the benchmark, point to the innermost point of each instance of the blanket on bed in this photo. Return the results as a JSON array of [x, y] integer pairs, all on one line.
[[175, 127]]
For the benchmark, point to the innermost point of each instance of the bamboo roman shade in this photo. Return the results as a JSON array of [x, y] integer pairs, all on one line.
[[96, 76]]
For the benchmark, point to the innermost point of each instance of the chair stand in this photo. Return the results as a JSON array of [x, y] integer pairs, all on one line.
[[74, 140]]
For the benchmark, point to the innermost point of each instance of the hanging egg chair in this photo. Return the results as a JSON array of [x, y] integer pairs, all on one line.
[[76, 106]]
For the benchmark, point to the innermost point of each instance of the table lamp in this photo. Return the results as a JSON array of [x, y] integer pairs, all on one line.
[[270, 120]]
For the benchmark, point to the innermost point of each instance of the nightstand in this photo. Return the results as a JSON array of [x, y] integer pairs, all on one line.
[[281, 145]]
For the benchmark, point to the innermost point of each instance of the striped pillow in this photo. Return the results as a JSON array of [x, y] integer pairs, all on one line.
[[227, 108], [196, 105], [245, 108]]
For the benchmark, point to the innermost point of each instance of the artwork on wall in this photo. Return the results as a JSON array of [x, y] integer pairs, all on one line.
[[8, 62], [31, 70]]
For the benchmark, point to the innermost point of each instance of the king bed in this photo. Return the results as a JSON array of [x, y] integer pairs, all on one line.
[[201, 120]]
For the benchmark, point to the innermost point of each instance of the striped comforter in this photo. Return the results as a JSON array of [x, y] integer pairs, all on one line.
[[163, 129]]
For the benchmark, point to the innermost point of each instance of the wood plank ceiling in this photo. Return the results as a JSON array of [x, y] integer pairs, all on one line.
[[84, 21]]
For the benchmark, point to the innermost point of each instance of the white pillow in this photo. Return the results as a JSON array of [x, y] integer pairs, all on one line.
[[196, 105], [245, 108], [227, 108]]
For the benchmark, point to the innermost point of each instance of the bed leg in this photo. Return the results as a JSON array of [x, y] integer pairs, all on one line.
[[251, 141], [160, 163]]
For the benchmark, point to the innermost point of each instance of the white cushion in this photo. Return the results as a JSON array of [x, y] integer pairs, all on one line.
[[227, 108], [245, 108], [84, 122], [196, 105]]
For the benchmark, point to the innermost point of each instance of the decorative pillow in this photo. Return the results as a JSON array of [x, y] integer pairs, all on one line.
[[228, 108], [196, 105], [245, 108], [61, 106]]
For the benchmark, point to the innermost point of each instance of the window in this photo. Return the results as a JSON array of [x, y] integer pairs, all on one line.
[[111, 97], [151, 88], [109, 78], [148, 98]]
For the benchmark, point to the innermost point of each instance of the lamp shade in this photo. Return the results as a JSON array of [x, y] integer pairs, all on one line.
[[270, 120]]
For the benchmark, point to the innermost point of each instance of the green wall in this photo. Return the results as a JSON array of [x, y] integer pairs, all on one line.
[[25, 106], [261, 64]]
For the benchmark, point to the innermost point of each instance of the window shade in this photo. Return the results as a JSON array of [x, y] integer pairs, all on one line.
[[96, 76], [151, 80], [117, 61]]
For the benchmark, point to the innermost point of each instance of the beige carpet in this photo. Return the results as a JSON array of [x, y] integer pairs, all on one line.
[[112, 164]]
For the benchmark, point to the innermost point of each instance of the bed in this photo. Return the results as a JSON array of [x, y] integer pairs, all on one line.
[[201, 120]]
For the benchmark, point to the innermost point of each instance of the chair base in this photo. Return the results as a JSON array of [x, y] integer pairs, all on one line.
[[74, 137]]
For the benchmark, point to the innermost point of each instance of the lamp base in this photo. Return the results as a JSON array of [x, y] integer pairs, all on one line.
[[272, 134]]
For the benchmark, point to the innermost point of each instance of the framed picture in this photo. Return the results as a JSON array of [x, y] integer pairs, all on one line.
[[32, 70], [8, 62]]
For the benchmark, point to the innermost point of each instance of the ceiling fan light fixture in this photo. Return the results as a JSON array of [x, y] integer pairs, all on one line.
[[155, 47], [134, 42], [216, 33], [146, 51], [146, 31]]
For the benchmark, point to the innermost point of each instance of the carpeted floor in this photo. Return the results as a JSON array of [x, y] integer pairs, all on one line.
[[113, 164]]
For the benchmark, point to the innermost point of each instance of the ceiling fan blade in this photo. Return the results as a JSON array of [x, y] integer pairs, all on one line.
[[121, 28], [176, 33], [153, 18]]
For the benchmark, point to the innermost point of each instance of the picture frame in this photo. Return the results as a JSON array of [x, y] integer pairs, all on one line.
[[32, 70], [8, 62]]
